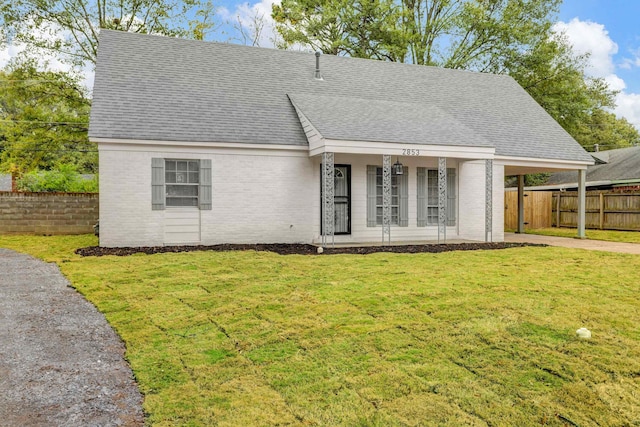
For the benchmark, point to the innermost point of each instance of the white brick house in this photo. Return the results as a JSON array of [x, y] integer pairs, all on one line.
[[206, 143]]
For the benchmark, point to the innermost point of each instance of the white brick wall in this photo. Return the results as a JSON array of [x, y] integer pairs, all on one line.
[[126, 218], [498, 203], [472, 199], [261, 199], [256, 198], [274, 196]]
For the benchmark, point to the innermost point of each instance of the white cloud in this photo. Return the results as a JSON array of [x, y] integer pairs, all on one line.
[[253, 22], [628, 63], [615, 82], [592, 38], [629, 107]]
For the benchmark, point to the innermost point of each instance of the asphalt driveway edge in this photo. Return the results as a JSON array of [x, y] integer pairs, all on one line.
[[61, 363]]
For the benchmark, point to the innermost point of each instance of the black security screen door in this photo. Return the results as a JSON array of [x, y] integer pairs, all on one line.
[[341, 199]]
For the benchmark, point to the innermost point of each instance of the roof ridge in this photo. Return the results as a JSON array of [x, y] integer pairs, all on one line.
[[307, 52]]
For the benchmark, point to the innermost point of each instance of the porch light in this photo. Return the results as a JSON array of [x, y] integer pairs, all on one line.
[[397, 167]]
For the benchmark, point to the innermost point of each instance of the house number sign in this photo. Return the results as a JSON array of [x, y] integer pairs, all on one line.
[[410, 152]]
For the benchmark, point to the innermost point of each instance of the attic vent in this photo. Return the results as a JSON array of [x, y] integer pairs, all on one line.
[[317, 75]]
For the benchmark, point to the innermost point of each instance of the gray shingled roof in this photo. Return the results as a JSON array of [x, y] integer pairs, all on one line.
[[168, 89], [621, 164], [361, 119]]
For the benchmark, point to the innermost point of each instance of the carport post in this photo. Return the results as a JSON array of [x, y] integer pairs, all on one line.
[[582, 197], [520, 204]]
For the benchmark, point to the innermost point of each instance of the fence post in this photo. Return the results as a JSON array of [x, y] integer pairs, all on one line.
[[601, 210], [558, 210]]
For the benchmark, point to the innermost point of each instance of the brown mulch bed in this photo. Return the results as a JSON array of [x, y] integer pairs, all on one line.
[[302, 249]]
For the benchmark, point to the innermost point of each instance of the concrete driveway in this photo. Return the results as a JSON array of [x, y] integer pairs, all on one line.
[[591, 245], [61, 364]]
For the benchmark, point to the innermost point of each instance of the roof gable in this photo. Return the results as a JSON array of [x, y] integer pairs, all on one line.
[[360, 119]]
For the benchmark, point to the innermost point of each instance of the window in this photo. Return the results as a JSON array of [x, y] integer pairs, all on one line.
[[428, 197], [180, 183], [432, 197], [395, 199], [182, 179], [399, 197]]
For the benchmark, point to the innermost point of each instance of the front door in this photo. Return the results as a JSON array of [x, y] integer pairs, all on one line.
[[341, 199]]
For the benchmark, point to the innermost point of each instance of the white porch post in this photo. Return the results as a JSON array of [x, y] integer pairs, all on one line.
[[328, 206], [488, 207], [520, 204], [386, 197], [582, 196], [442, 199]]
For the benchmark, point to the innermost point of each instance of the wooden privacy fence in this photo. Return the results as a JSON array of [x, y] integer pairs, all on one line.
[[604, 210], [537, 209]]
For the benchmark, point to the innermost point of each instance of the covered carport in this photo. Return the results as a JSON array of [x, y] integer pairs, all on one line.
[[522, 167]]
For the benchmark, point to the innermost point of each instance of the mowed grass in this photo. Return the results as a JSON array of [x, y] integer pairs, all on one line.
[[608, 235], [458, 338]]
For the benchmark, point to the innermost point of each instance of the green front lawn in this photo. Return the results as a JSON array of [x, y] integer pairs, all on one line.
[[608, 235], [459, 338]]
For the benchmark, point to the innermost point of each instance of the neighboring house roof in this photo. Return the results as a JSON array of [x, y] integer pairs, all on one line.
[[5, 182], [613, 167], [168, 89]]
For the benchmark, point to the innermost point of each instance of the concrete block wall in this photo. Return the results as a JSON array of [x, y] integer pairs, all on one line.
[[47, 213]]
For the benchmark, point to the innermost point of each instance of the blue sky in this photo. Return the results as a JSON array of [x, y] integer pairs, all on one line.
[[607, 29], [621, 20]]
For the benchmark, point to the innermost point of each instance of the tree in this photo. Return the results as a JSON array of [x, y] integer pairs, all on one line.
[[70, 27], [555, 78], [360, 28], [605, 131], [468, 34], [44, 117]]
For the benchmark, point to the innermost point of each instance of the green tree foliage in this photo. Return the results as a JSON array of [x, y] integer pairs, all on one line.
[[554, 77], [512, 37], [362, 29], [63, 178], [44, 118], [604, 131], [468, 34], [71, 27]]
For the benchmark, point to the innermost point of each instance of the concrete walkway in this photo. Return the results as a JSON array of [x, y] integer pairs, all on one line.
[[566, 242], [61, 364]]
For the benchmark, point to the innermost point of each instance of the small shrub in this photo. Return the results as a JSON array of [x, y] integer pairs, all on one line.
[[65, 178]]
